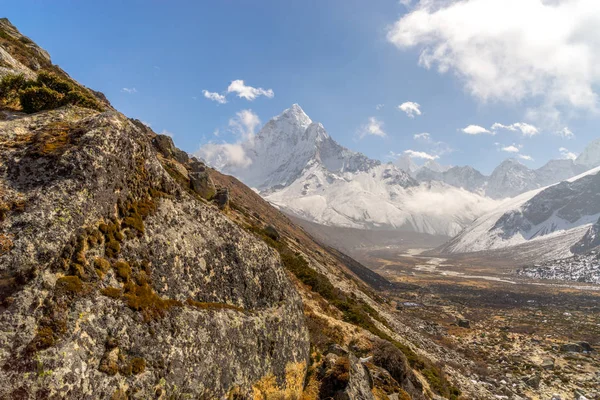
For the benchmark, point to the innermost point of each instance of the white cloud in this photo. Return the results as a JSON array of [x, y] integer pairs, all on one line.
[[129, 90], [166, 133], [219, 98], [374, 128], [437, 148], [420, 154], [410, 108], [244, 124], [525, 157], [547, 51], [524, 128], [476, 130], [248, 92], [425, 137], [510, 149], [219, 155], [406, 3], [566, 133], [379, 106], [566, 154]]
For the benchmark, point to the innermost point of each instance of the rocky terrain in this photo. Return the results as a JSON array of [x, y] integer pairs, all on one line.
[[551, 223], [130, 270], [579, 268]]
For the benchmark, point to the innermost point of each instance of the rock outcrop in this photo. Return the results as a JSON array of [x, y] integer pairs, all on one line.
[[117, 279]]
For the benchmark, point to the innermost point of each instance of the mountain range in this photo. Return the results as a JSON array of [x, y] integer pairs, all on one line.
[[298, 167]]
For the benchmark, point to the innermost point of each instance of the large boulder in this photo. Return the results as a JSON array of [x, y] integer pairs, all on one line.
[[117, 282], [167, 148], [202, 184]]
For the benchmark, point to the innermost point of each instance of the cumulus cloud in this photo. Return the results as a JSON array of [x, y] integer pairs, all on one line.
[[565, 133], [219, 155], [510, 149], [420, 154], [244, 124], [379, 106], [426, 137], [546, 51], [373, 128], [248, 92], [410, 108], [476, 130], [524, 128], [129, 90], [219, 98], [566, 154], [525, 157]]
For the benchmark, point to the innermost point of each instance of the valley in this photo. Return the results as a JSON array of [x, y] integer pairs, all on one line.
[[512, 327]]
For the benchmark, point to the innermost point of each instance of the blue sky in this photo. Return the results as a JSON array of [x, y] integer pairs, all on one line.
[[338, 59]]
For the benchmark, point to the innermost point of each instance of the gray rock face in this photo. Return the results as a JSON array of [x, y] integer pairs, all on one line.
[[115, 281], [202, 184], [590, 240], [166, 146], [360, 383], [569, 201]]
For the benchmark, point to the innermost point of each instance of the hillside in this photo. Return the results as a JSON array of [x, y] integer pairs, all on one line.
[[553, 222], [130, 270]]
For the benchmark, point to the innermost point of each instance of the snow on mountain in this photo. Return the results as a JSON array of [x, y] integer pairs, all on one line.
[[569, 207], [384, 197], [286, 145], [590, 157], [509, 179], [297, 166]]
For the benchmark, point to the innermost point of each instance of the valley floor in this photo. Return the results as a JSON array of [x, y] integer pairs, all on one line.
[[515, 329]]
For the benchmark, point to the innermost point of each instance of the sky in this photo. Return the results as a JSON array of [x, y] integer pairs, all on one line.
[[467, 82]]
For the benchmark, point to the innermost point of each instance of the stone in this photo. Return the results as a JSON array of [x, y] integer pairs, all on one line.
[[548, 363], [464, 323], [73, 194], [533, 381], [586, 346], [337, 350], [202, 184], [222, 198], [167, 148], [571, 348]]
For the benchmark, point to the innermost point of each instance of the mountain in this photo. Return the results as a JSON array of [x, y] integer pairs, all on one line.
[[590, 155], [511, 177], [286, 145], [564, 212], [130, 270], [303, 171]]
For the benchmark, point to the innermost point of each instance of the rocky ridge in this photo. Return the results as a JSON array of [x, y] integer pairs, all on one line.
[[130, 270]]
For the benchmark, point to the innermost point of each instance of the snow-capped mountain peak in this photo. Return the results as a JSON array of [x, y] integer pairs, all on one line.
[[590, 157], [298, 167]]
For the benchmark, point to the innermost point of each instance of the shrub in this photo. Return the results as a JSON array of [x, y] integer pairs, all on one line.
[[10, 87], [47, 92], [336, 379], [53, 82], [34, 99]]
